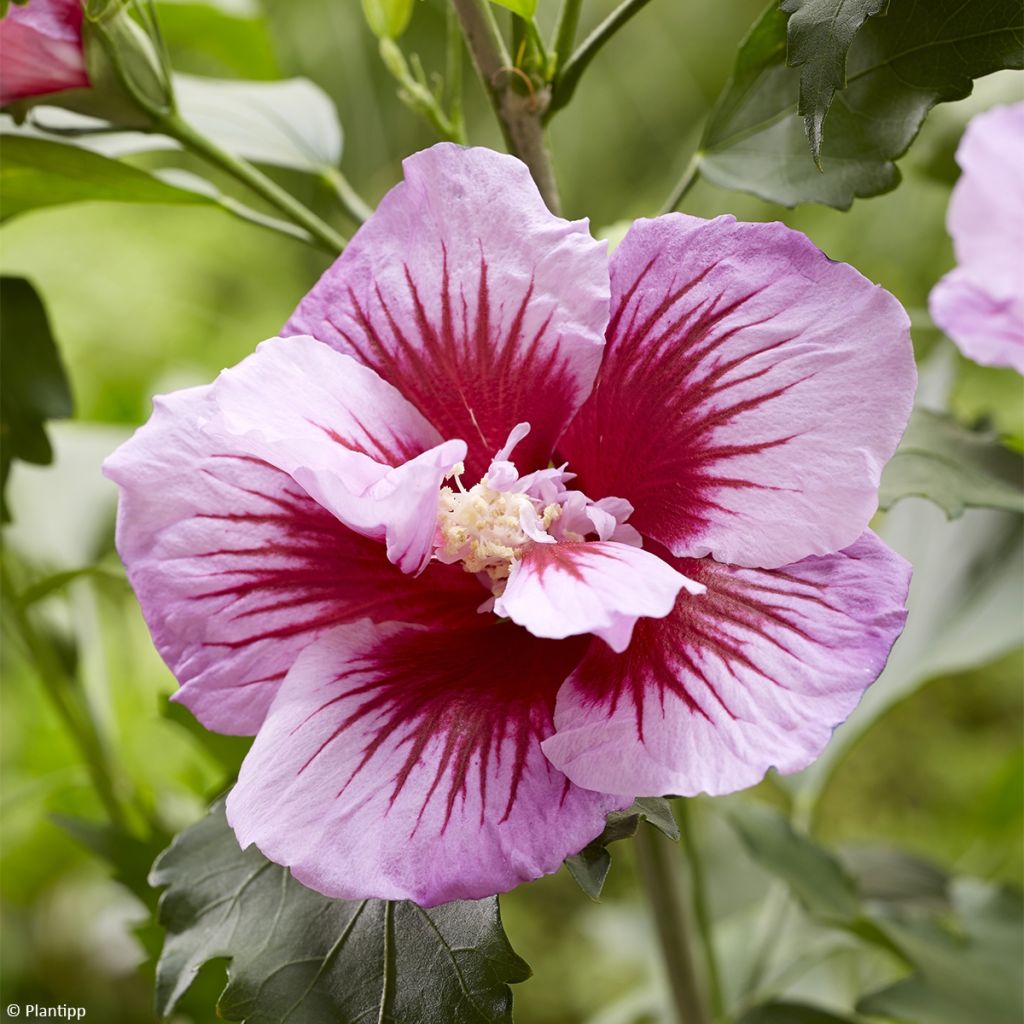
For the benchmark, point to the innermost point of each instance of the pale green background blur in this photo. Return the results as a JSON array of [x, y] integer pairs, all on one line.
[[147, 299]]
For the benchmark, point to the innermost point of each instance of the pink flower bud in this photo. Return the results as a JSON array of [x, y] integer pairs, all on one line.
[[41, 49]]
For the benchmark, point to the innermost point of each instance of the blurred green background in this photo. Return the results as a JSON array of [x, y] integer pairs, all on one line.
[[147, 299]]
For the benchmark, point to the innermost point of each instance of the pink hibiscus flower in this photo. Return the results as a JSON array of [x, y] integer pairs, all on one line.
[[478, 564], [41, 49], [980, 304]]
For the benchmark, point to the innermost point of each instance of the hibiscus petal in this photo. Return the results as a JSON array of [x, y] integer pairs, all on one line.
[[986, 328], [402, 763], [483, 308], [750, 395], [348, 437], [754, 674], [42, 49], [600, 587], [237, 569]]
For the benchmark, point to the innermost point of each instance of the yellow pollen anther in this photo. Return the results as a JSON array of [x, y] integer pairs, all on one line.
[[482, 527]]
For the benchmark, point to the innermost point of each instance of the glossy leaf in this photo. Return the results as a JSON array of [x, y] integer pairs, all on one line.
[[898, 67], [940, 460], [819, 34], [969, 974], [297, 955], [812, 873], [33, 384], [589, 868], [36, 173]]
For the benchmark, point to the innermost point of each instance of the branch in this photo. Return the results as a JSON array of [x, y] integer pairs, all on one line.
[[520, 117]]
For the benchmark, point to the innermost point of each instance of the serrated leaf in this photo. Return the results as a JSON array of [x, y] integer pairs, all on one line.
[[898, 67], [524, 8], [387, 19], [589, 868], [819, 33], [956, 468], [33, 384], [967, 976], [812, 873], [36, 173], [791, 1013], [296, 955]]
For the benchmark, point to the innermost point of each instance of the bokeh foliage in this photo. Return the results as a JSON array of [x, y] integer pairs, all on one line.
[[144, 299]]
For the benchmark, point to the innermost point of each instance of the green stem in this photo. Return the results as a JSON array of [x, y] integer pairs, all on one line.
[[701, 910], [453, 71], [520, 117], [686, 182], [243, 171], [351, 202], [565, 31], [73, 714], [569, 75], [661, 875]]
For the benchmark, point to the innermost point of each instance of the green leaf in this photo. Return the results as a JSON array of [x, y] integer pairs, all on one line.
[[33, 384], [941, 460], [524, 8], [819, 33], [990, 396], [203, 38], [296, 955], [967, 976], [589, 868], [894, 876], [387, 19], [42, 589], [36, 173], [812, 873], [898, 67], [791, 1013]]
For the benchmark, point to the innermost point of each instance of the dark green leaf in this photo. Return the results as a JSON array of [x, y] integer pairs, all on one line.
[[898, 67], [589, 868], [967, 976], [952, 466], [791, 1013], [33, 385], [812, 873], [819, 34], [296, 955], [42, 589], [36, 173]]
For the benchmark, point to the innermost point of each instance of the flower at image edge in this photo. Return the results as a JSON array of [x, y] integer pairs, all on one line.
[[41, 49], [503, 532]]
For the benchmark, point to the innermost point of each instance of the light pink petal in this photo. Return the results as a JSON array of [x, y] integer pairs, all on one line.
[[987, 329], [349, 438], [402, 763], [41, 49], [600, 587], [750, 395], [980, 305], [754, 674], [237, 569], [481, 307]]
